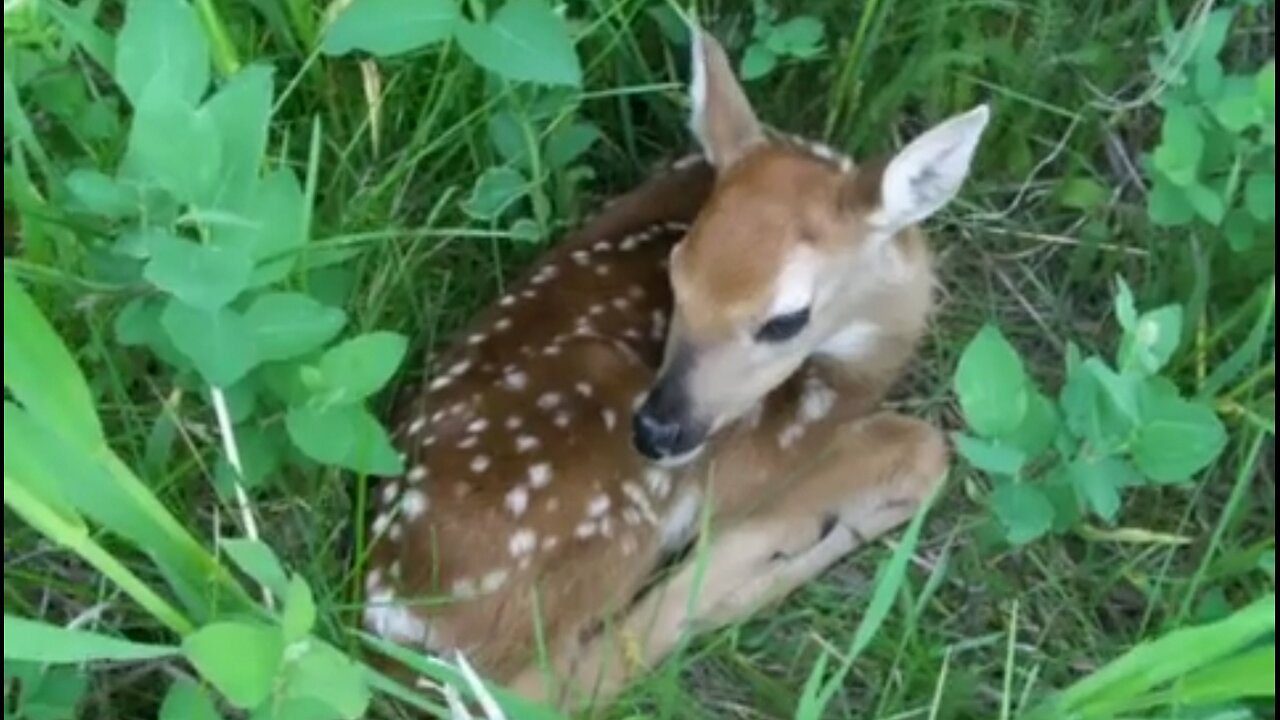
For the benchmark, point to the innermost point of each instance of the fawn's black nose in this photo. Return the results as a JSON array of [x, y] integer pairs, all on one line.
[[654, 437]]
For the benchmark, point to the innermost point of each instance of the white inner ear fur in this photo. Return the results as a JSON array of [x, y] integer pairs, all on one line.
[[928, 172], [721, 116], [698, 93]]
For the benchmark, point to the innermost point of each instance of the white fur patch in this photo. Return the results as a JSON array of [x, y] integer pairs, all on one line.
[[856, 340]]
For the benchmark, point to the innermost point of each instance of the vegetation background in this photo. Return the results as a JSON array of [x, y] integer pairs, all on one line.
[[231, 226]]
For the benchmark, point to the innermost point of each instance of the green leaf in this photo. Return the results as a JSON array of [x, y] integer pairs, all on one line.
[[390, 27], [205, 277], [241, 113], [991, 384], [345, 436], [1250, 674], [1237, 112], [323, 673], [1177, 438], [1207, 203], [799, 37], [240, 659], [1181, 146], [1260, 196], [757, 62], [188, 701], [1150, 344], [53, 693], [40, 371], [1023, 510], [495, 190], [569, 142], [1121, 390], [1038, 429], [162, 123], [1208, 79], [299, 610], [219, 343], [287, 324], [1167, 205], [989, 456], [259, 562], [1241, 230], [1099, 480], [102, 195], [1213, 34], [35, 641], [526, 41], [162, 50], [1126, 310], [360, 366], [1082, 194]]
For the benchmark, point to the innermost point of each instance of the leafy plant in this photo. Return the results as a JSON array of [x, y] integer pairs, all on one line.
[[1215, 163], [772, 41], [1114, 425]]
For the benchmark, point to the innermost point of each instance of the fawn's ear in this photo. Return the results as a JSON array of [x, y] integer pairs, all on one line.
[[722, 118], [924, 176]]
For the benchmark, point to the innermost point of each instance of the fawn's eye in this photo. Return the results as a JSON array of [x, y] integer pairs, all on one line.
[[781, 328]]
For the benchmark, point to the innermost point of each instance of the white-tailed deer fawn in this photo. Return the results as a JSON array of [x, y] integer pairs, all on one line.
[[716, 341]]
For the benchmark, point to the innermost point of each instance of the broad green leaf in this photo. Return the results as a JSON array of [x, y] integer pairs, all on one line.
[[989, 456], [991, 384], [1152, 341], [525, 41], [1038, 429], [1237, 112], [35, 641], [78, 25], [1247, 352], [495, 190], [525, 230], [162, 124], [287, 324], [40, 371], [186, 700], [1181, 146], [102, 195], [259, 562], [1023, 510], [799, 37], [1064, 497], [241, 113], [1251, 674], [1207, 203], [390, 27], [299, 610], [507, 133], [346, 436], [162, 50], [1213, 34], [757, 62], [1177, 438], [1121, 390], [40, 460], [219, 343], [1082, 193], [568, 142], [1208, 78], [356, 368], [1241, 230], [278, 217], [1167, 204], [1266, 85], [1099, 481], [205, 277], [323, 673], [240, 659], [261, 451], [294, 709], [50, 693], [1260, 196]]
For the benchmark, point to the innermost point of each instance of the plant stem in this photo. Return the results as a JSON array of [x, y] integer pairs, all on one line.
[[225, 58], [233, 458]]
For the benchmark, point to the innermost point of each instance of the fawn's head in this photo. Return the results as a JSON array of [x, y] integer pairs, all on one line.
[[773, 266]]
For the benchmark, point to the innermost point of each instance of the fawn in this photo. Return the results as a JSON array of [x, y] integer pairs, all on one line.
[[709, 352]]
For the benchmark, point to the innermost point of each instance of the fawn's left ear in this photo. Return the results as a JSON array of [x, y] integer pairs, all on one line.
[[923, 177], [722, 118]]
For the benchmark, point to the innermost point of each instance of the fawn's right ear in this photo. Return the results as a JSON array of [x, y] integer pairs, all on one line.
[[722, 118]]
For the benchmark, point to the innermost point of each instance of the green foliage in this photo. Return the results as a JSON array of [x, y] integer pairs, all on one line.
[[799, 38], [1113, 427], [1215, 164], [31, 641]]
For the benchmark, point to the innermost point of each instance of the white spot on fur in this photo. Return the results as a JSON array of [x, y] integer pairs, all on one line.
[[513, 422], [380, 524], [416, 426], [413, 504], [584, 389], [468, 441], [610, 418], [503, 324], [477, 425], [790, 434], [599, 505], [479, 463], [658, 482], [389, 492], [548, 400], [516, 380], [549, 543], [417, 474], [639, 502], [459, 367], [522, 542], [463, 588], [507, 301], [602, 270], [561, 419], [657, 325], [539, 475], [475, 339], [517, 500], [582, 257], [584, 530], [493, 580], [393, 622], [440, 383], [816, 400], [525, 443]]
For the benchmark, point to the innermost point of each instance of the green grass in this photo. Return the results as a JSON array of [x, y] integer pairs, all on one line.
[[978, 628]]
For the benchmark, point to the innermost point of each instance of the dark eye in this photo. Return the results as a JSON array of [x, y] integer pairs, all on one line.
[[783, 327]]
